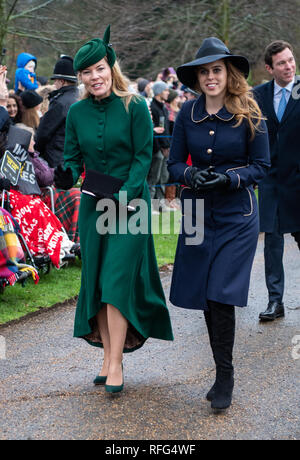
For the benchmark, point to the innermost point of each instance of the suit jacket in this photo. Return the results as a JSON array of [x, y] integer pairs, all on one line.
[[280, 189]]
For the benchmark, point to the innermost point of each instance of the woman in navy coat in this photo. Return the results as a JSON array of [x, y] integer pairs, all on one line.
[[225, 134]]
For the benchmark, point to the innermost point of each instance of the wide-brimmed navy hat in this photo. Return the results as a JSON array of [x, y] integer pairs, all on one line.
[[212, 49]]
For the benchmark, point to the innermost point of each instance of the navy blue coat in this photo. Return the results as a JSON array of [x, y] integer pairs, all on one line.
[[280, 189], [219, 267], [4, 118]]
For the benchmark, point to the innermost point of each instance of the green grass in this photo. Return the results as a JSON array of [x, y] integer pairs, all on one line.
[[58, 286], [63, 284], [168, 225]]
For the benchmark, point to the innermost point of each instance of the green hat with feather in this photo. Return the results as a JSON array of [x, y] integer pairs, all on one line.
[[93, 51]]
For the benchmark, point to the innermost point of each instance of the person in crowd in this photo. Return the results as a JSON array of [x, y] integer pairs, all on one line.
[[25, 76], [188, 94], [144, 87], [31, 102], [226, 135], [42, 81], [159, 76], [44, 92], [40, 228], [279, 191], [4, 116], [158, 175], [14, 108], [50, 136], [169, 76], [65, 202], [110, 132], [173, 108]]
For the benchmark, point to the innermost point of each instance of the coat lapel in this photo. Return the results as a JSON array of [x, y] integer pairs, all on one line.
[[269, 102]]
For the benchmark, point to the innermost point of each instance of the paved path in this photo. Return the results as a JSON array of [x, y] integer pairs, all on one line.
[[46, 389]]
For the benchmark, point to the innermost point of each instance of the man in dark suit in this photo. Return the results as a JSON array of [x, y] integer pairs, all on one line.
[[279, 192]]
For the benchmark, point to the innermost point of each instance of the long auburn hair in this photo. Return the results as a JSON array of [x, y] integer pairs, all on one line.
[[239, 99], [30, 117], [120, 86]]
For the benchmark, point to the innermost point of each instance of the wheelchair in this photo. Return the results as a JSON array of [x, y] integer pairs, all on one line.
[[41, 262], [13, 268]]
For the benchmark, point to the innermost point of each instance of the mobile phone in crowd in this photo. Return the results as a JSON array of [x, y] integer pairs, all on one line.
[[161, 122]]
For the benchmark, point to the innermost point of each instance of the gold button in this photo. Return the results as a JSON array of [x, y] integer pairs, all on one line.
[[209, 151], [211, 133]]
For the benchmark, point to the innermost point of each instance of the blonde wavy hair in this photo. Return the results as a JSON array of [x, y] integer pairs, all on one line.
[[239, 99], [120, 86]]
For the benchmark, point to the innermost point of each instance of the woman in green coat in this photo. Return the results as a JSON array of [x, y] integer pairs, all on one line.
[[121, 301]]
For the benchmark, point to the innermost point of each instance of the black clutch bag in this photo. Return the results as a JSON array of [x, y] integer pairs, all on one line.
[[100, 185]]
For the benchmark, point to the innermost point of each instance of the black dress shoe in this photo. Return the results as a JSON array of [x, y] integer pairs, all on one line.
[[274, 310]]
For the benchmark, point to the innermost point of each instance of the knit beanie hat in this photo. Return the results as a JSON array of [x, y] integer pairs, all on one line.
[[30, 98], [159, 87], [63, 69], [142, 83], [93, 51]]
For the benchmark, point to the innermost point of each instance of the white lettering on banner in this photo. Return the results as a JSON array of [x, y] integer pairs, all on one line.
[[28, 177], [20, 213], [40, 236], [53, 242], [29, 228], [48, 230]]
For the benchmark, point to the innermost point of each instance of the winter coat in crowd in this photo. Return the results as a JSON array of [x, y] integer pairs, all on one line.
[[158, 109], [50, 136], [23, 76]]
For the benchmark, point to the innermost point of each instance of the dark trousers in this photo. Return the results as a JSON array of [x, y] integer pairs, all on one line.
[[274, 271]]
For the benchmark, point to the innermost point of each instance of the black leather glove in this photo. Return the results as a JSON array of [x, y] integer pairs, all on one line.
[[199, 177], [217, 180], [63, 178], [4, 184]]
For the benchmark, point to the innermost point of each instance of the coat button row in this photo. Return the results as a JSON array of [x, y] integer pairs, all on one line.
[[211, 133]]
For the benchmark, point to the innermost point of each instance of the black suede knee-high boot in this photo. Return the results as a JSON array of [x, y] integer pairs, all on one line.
[[223, 330], [207, 316]]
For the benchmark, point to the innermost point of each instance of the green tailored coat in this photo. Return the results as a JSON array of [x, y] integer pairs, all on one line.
[[118, 267]]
